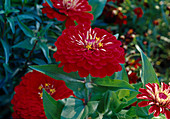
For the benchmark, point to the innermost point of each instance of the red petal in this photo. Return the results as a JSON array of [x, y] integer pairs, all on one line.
[[157, 112], [69, 22], [82, 72], [152, 109], [143, 103], [167, 114]]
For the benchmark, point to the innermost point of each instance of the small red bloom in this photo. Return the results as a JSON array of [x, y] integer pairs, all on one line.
[[120, 19], [156, 22], [72, 10], [139, 12], [27, 101], [89, 51], [133, 77], [158, 98]]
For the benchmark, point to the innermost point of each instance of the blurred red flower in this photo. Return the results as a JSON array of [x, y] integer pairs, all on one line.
[[89, 51], [27, 101], [133, 77], [69, 10], [114, 15], [158, 98], [139, 12]]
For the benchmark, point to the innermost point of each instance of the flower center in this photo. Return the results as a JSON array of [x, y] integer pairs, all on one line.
[[162, 96], [92, 42], [48, 87]]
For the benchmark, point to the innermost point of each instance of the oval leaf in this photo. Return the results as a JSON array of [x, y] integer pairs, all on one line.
[[6, 50], [52, 107], [148, 74], [28, 32], [74, 109], [112, 83], [97, 7]]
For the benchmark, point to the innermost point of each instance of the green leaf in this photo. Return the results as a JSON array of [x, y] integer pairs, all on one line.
[[45, 50], [92, 106], [123, 93], [24, 44], [7, 4], [97, 8], [148, 74], [74, 109], [2, 11], [29, 16], [142, 111], [11, 23], [1, 19], [55, 72], [122, 75], [52, 107], [104, 102], [132, 112], [112, 82], [28, 32], [6, 50], [43, 31]]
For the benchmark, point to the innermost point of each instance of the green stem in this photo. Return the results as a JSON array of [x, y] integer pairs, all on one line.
[[87, 91]]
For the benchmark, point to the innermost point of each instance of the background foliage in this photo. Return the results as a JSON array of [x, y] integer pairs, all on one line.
[[27, 38]]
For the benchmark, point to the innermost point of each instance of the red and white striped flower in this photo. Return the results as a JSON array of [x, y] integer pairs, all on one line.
[[158, 98]]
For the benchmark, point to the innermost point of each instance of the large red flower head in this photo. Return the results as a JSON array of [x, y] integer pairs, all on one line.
[[71, 10], [27, 101], [158, 98], [89, 51], [139, 12]]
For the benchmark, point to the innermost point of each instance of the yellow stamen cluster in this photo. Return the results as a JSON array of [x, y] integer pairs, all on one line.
[[48, 87]]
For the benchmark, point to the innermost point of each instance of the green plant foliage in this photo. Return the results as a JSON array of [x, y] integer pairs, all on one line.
[[52, 107], [97, 8], [148, 74], [104, 102], [122, 75], [74, 109], [28, 32], [107, 81], [6, 50]]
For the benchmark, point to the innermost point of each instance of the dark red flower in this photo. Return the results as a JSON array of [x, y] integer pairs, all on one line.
[[27, 101], [89, 51], [71, 10], [114, 15], [133, 77], [139, 12], [120, 19], [158, 98]]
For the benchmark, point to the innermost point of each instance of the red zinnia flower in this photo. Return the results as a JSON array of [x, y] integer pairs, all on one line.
[[159, 98], [89, 51], [71, 10], [139, 12], [27, 101]]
